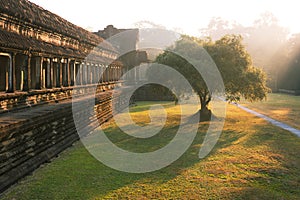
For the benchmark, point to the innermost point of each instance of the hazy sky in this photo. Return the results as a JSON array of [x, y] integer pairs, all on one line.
[[188, 15]]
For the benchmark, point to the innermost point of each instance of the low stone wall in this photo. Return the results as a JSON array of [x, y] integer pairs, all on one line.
[[20, 100], [31, 137]]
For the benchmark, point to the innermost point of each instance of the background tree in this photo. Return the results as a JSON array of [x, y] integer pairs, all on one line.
[[241, 79], [264, 40], [288, 69]]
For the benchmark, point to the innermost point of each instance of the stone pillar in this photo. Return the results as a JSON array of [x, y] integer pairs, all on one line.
[[73, 72], [57, 72], [65, 69], [68, 71], [108, 73], [90, 77], [98, 73], [112, 73], [92, 73], [27, 75], [102, 73], [112, 68], [115, 73], [86, 73], [91, 70], [84, 68], [95, 74], [60, 72], [80, 73], [48, 74], [41, 74], [11, 73], [51, 74], [119, 73]]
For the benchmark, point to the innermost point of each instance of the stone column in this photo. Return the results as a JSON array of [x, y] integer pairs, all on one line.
[[73, 72], [92, 73], [103, 73], [98, 73], [84, 68], [107, 73], [48, 74], [90, 77], [65, 66], [11, 73], [68, 71], [91, 70], [95, 74], [112, 69], [27, 74], [119, 73], [86, 73], [60, 72], [80, 71], [57, 72], [51, 75], [41, 74]]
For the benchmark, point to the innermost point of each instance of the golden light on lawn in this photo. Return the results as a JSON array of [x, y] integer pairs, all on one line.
[[252, 160], [281, 112], [174, 113], [246, 152]]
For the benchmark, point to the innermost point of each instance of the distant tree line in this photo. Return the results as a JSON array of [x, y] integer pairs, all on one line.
[[270, 45]]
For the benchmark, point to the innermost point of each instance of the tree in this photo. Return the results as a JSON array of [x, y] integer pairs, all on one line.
[[288, 69], [241, 79], [264, 40]]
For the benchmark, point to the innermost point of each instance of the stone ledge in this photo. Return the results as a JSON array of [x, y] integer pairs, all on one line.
[[31, 137]]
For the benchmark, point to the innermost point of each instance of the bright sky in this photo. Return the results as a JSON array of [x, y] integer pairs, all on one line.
[[188, 16]]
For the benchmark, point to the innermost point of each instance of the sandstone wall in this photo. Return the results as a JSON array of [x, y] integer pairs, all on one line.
[[32, 136]]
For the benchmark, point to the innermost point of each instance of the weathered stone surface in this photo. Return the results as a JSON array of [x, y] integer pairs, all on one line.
[[33, 136], [40, 55]]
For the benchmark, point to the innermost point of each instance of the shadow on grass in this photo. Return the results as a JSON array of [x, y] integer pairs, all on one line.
[[278, 163], [77, 175], [250, 161]]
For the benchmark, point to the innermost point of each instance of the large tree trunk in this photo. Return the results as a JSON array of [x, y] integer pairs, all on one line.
[[205, 113]]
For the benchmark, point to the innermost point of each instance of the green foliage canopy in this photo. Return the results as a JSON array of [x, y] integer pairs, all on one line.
[[241, 78]]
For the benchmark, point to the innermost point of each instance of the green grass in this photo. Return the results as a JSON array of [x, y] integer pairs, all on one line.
[[252, 160], [282, 107]]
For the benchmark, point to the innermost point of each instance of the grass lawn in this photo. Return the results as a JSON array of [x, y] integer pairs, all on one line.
[[282, 107], [252, 160]]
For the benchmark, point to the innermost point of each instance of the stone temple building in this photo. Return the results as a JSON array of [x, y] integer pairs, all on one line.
[[40, 50], [127, 41], [44, 62]]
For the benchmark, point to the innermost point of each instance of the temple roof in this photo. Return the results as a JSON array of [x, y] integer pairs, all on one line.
[[34, 14], [16, 41]]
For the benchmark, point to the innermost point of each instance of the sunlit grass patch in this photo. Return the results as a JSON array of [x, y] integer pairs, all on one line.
[[282, 107], [252, 160]]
